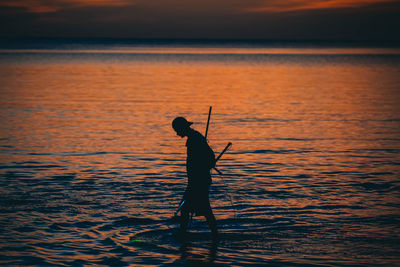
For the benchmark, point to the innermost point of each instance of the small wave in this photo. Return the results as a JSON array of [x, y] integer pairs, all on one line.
[[270, 151], [35, 167], [134, 221], [383, 187], [247, 119]]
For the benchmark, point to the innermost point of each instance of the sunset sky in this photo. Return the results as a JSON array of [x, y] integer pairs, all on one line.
[[374, 20]]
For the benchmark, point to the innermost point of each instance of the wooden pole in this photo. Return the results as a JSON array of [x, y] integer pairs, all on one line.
[[223, 151], [220, 155], [208, 122]]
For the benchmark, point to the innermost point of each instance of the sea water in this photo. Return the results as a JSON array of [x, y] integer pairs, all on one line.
[[91, 170]]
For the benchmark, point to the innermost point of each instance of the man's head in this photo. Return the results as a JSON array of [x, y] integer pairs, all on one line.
[[181, 126]]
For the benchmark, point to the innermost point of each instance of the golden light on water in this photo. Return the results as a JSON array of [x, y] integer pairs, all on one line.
[[87, 140]]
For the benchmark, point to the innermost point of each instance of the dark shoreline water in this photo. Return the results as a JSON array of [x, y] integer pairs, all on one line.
[[91, 171], [54, 43]]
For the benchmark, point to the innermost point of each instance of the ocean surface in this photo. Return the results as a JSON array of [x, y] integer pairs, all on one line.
[[91, 171]]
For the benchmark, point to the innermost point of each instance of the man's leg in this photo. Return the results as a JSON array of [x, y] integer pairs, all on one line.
[[184, 220], [212, 223]]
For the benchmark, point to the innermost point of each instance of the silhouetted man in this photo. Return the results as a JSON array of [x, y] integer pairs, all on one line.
[[200, 160]]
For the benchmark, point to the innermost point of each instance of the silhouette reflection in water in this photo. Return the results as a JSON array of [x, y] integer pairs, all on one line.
[[196, 256]]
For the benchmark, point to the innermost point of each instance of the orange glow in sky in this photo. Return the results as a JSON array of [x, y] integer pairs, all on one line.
[[274, 6], [362, 20], [40, 6], [293, 5]]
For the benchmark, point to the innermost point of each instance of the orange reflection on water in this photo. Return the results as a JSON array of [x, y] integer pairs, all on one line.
[[89, 141], [81, 109], [119, 107]]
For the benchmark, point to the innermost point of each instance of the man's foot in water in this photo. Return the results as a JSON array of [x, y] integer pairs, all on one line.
[[181, 234]]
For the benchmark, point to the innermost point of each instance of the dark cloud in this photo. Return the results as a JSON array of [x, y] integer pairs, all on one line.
[[204, 19]]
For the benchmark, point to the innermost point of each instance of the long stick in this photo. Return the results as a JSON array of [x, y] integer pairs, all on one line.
[[223, 151], [208, 121], [220, 155]]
